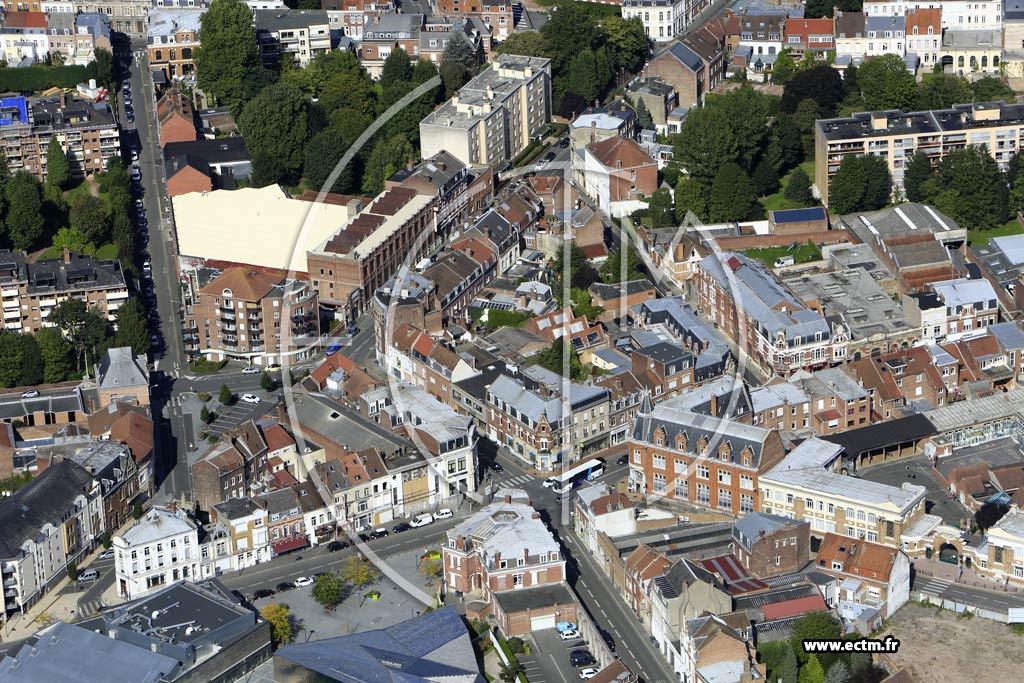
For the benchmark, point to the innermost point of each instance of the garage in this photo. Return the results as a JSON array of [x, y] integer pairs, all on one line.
[[538, 623]]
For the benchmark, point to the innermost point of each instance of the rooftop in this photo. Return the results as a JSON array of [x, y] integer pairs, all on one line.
[[853, 298], [158, 523], [509, 529], [957, 118], [48, 499]]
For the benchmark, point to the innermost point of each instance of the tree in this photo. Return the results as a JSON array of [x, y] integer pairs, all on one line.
[[583, 77], [359, 572], [459, 51], [58, 168], [397, 69], [510, 672], [941, 91], [785, 147], [862, 183], [798, 190], [32, 364], [788, 671], [814, 626], [805, 116], [226, 396], [104, 61], [553, 358], [430, 569], [990, 513], [106, 540], [991, 89], [388, 156], [971, 189], [328, 590], [838, 673], [823, 84], [659, 209], [267, 382], [82, 326], [137, 511], [24, 218], [784, 67], [765, 180], [916, 173], [526, 43], [611, 269], [885, 83], [453, 76], [73, 571], [133, 327], [1015, 202], [570, 30], [323, 152], [578, 270], [228, 61], [74, 241], [643, 115], [691, 197], [811, 672], [275, 124], [12, 352], [627, 41], [277, 615], [89, 216], [859, 661], [56, 353], [732, 197], [204, 414]]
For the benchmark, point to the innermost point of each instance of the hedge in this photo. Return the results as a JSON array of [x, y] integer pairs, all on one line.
[[36, 78]]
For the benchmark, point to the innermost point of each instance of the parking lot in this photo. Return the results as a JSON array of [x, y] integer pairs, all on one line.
[[918, 471], [548, 661]]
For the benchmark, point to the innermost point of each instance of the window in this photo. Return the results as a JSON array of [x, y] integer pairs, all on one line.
[[746, 503], [660, 483], [659, 462], [725, 499], [724, 477], [703, 494], [746, 482], [682, 491], [703, 472], [517, 579]]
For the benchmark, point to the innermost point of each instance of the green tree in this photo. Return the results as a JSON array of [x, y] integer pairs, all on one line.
[[453, 76], [74, 240], [430, 569], [275, 124], [228, 62], [885, 83], [991, 89], [82, 326], [784, 68], [859, 661], [12, 352], [104, 60], [990, 513], [1015, 201], [971, 188], [133, 327], [643, 115], [570, 30], [397, 69], [73, 571], [917, 172], [328, 590], [107, 540], [811, 672], [583, 305], [578, 271], [58, 168], [226, 396], [814, 626], [24, 218], [838, 673], [941, 91], [611, 269], [267, 382], [88, 215], [510, 672], [526, 43], [627, 41], [460, 51], [553, 358], [277, 615], [350, 90], [765, 179], [57, 355], [691, 197], [323, 152], [732, 196], [137, 511], [798, 190], [659, 209], [790, 667], [32, 364], [823, 84], [785, 146], [388, 156], [359, 572], [862, 183], [204, 414]]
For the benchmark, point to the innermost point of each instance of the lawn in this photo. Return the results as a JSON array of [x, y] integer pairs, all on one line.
[[106, 251], [85, 187], [775, 202], [802, 254], [980, 238]]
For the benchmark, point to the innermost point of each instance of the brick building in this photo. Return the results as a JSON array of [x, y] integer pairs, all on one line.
[[236, 467], [767, 545], [172, 37], [175, 118]]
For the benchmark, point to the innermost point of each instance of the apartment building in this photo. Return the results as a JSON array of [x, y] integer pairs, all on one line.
[[299, 35], [50, 522], [953, 307], [527, 413], [956, 14], [412, 356], [806, 486], [775, 331], [245, 527], [249, 315], [924, 34], [172, 37], [351, 16], [837, 402], [175, 117], [497, 14], [693, 66], [86, 130], [896, 136], [23, 36], [384, 33], [617, 174], [769, 545], [77, 36], [700, 460], [662, 19], [29, 291], [234, 468], [160, 549], [815, 35], [285, 520], [494, 116]]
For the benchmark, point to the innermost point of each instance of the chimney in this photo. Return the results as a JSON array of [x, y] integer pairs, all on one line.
[[714, 404], [460, 542], [497, 559], [535, 515], [508, 498], [67, 255]]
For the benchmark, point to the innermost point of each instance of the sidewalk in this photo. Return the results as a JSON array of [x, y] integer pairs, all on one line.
[[968, 577]]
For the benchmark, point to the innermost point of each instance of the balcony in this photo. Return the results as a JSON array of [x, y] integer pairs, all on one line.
[[226, 315], [228, 327]]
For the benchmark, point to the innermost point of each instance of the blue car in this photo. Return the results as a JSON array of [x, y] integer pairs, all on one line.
[[333, 349]]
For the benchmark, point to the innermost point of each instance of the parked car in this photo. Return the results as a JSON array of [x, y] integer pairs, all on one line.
[[400, 527], [623, 460], [136, 174], [31, 393], [571, 634], [563, 143], [250, 398], [549, 157], [262, 593], [581, 658], [333, 349], [497, 467], [444, 513], [88, 575], [588, 672], [565, 626], [285, 586], [106, 554], [365, 538], [131, 117], [135, 155], [379, 532], [251, 370], [608, 640], [421, 520], [304, 581], [335, 546], [273, 367]]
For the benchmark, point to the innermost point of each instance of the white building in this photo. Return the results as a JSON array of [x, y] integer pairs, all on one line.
[[886, 35], [956, 14], [662, 19], [245, 530], [160, 549]]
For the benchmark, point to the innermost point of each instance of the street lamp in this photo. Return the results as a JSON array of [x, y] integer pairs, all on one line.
[[309, 634]]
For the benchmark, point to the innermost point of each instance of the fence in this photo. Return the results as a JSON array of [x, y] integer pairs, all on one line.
[[976, 583]]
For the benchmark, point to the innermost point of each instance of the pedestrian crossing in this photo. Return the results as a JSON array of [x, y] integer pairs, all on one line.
[[89, 607], [930, 585], [513, 481]]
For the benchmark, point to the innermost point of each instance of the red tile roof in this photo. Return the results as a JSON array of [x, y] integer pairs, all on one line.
[[277, 438], [25, 20]]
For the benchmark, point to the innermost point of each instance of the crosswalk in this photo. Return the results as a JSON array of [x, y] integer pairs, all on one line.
[[512, 481], [89, 607], [930, 585]]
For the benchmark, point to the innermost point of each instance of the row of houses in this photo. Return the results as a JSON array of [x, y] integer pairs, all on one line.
[[74, 36]]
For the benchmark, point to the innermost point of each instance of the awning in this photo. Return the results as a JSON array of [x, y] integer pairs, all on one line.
[[290, 543]]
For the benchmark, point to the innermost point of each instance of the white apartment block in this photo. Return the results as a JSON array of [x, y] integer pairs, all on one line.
[[494, 116], [662, 19], [956, 14], [160, 549]]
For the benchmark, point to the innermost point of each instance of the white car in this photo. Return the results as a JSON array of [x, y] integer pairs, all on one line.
[[421, 520], [588, 672], [571, 634], [443, 513], [106, 554], [304, 581], [251, 371], [31, 393], [250, 398]]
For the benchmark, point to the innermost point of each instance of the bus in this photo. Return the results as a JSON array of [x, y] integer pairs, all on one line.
[[576, 475]]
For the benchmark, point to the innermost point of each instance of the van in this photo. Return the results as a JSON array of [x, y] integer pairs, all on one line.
[[88, 575], [784, 261]]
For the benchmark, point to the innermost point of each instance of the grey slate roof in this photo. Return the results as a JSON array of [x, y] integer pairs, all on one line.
[[687, 57], [281, 19], [431, 647], [41, 501], [675, 421], [682, 573], [749, 528], [121, 368]]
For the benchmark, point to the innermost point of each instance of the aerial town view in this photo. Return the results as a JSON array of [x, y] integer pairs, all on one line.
[[511, 341]]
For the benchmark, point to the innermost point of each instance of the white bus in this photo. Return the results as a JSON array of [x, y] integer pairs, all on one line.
[[576, 475]]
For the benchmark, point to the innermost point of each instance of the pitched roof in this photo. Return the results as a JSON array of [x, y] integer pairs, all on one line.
[[858, 557], [245, 284], [45, 500], [277, 437], [620, 152], [120, 368], [134, 430]]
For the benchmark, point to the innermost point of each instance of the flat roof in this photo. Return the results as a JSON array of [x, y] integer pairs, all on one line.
[[884, 434], [534, 598]]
